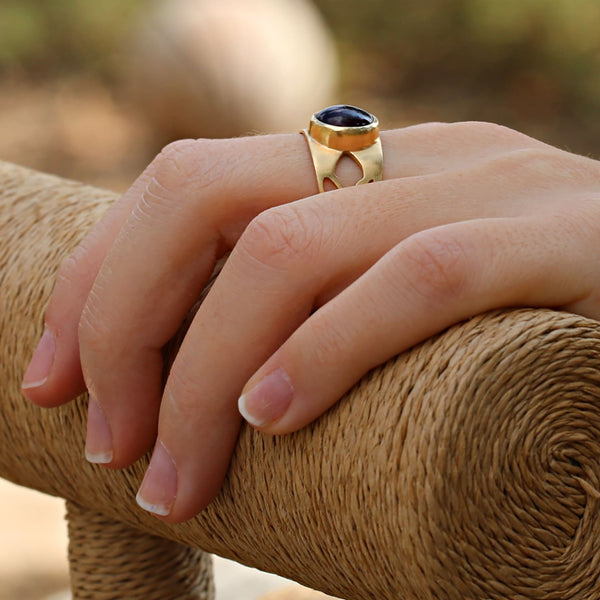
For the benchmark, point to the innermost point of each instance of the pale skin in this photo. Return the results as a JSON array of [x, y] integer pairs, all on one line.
[[318, 289]]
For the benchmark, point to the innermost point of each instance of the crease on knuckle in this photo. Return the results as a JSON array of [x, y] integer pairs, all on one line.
[[435, 265], [73, 268], [281, 237], [184, 163], [96, 334], [493, 132], [547, 165], [183, 172]]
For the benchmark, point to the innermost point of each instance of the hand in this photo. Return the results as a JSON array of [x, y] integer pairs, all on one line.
[[318, 289]]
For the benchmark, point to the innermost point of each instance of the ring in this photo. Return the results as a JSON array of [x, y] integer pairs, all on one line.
[[344, 129]]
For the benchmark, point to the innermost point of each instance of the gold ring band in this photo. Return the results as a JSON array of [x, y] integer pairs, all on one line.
[[344, 129]]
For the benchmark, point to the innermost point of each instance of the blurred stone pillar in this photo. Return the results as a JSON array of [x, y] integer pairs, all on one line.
[[221, 68]]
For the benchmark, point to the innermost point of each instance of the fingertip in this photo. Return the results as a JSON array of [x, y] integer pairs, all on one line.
[[161, 494], [186, 507], [40, 398], [158, 490], [185, 473], [246, 413], [55, 391], [99, 444], [53, 376], [267, 401], [41, 363]]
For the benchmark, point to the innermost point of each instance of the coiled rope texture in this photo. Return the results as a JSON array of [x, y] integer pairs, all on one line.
[[465, 468]]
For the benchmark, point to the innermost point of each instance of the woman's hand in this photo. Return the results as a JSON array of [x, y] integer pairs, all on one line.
[[318, 289]]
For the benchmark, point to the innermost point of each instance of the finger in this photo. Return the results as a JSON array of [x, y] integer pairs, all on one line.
[[288, 260], [423, 285], [253, 305], [429, 148], [199, 198], [54, 375]]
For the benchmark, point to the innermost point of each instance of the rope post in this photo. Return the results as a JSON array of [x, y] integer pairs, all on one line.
[[110, 561]]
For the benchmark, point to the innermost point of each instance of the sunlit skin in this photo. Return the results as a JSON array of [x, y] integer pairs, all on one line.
[[318, 289]]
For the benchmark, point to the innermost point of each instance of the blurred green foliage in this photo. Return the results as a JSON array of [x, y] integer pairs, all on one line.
[[520, 62], [476, 44], [457, 40], [49, 37], [513, 61], [472, 37]]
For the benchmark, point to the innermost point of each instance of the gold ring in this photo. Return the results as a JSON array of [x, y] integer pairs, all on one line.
[[344, 129]]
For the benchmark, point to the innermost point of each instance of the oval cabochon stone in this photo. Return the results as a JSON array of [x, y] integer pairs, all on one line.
[[344, 115]]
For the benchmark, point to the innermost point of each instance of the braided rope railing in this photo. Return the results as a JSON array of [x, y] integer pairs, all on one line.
[[467, 467]]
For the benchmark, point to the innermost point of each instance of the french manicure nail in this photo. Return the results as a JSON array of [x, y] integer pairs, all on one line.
[[159, 487], [99, 444], [39, 368], [268, 400]]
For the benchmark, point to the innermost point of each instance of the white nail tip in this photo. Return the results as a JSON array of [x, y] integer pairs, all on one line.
[[244, 412], [157, 509], [99, 458], [34, 384]]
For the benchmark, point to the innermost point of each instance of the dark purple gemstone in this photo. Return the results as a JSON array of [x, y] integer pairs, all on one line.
[[344, 115]]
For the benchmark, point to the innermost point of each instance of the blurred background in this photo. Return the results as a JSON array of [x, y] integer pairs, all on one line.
[[93, 90]]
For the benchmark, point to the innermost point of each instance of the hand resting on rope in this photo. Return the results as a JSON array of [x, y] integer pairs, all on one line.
[[317, 290]]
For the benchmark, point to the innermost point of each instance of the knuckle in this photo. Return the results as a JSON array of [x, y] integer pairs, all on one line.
[[532, 158], [183, 173], [435, 264], [97, 335], [187, 162], [73, 268], [493, 135], [73, 278], [179, 156], [541, 166], [429, 129], [492, 132], [471, 134], [281, 237]]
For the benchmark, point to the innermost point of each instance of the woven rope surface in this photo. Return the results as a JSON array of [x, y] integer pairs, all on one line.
[[465, 468], [110, 561]]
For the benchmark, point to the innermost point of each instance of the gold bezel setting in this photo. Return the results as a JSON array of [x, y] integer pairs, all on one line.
[[344, 129], [357, 128]]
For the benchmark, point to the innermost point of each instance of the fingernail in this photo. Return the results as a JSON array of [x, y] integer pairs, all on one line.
[[98, 444], [39, 368], [159, 487], [268, 400]]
